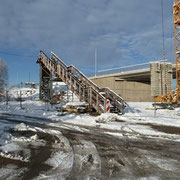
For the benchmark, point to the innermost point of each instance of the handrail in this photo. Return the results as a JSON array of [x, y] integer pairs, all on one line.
[[58, 60], [118, 97], [83, 77]]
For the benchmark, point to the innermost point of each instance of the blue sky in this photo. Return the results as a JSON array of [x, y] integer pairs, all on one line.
[[124, 33]]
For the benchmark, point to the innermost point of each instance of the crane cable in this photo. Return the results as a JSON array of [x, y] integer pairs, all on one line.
[[163, 42]]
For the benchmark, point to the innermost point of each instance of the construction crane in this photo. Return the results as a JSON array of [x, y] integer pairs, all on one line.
[[176, 15], [173, 97]]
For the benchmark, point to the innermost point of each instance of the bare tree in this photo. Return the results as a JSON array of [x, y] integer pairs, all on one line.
[[3, 75]]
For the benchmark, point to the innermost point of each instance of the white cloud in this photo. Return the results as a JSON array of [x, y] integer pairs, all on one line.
[[123, 32]]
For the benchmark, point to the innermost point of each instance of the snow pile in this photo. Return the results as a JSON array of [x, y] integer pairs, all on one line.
[[61, 160], [63, 156], [10, 147], [35, 137], [108, 117], [21, 127], [10, 150], [21, 139], [87, 158], [77, 103], [14, 157], [25, 93]]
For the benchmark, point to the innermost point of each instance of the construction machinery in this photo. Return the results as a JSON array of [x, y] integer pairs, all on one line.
[[78, 83], [173, 97]]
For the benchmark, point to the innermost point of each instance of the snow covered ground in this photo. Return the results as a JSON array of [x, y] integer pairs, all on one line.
[[136, 114], [139, 120]]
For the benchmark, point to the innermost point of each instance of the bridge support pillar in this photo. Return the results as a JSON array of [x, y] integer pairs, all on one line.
[[45, 86], [161, 78]]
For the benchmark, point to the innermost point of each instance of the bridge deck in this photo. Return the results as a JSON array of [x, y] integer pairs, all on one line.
[[140, 75]]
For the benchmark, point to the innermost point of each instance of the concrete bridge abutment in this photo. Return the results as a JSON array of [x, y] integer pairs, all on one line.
[[129, 90], [140, 85]]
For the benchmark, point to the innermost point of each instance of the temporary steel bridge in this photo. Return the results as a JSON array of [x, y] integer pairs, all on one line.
[[78, 83]]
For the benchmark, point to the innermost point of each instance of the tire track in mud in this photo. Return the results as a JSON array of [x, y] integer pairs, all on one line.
[[87, 163], [90, 164], [38, 155], [132, 158], [97, 155], [111, 161], [15, 119]]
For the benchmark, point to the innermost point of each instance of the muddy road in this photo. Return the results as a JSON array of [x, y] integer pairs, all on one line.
[[42, 151]]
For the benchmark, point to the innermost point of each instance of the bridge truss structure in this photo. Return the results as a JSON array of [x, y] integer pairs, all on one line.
[[78, 83]]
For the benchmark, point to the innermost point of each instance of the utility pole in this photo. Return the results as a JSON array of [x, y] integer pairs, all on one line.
[[95, 59]]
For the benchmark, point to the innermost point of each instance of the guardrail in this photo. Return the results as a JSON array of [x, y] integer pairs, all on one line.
[[125, 68]]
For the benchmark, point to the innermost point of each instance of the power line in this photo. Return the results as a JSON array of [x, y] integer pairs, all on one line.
[[12, 54]]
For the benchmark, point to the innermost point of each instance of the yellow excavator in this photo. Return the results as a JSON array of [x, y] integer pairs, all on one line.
[[173, 97]]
